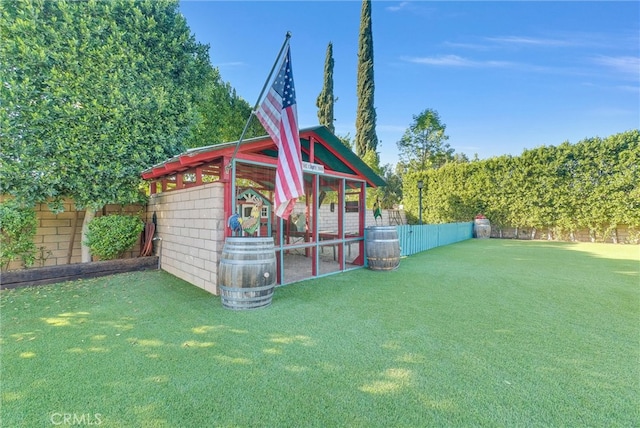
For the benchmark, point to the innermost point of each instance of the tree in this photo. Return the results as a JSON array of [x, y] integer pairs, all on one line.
[[346, 140], [558, 190], [366, 138], [93, 93], [325, 99], [607, 178], [17, 229], [390, 194], [222, 114], [494, 185], [423, 144]]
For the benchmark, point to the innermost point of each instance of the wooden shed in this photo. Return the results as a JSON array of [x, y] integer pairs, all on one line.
[[195, 193]]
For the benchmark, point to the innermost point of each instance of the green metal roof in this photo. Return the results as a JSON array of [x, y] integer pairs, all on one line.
[[346, 161]]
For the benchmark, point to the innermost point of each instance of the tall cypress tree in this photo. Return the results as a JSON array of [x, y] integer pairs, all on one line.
[[325, 99], [366, 138]]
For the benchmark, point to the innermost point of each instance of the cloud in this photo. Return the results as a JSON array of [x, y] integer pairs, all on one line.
[[562, 40], [530, 41], [412, 8], [399, 7], [622, 64], [469, 46], [456, 61], [494, 43], [628, 88]]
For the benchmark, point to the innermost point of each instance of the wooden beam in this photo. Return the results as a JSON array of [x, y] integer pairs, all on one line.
[[61, 273], [312, 151]]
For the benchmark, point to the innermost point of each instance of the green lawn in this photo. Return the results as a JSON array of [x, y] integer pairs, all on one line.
[[479, 333]]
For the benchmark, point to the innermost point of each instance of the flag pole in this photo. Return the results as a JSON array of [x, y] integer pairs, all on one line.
[[255, 107]]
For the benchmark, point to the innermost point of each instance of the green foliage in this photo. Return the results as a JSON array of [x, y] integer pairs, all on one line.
[[222, 114], [391, 194], [109, 236], [346, 140], [366, 137], [423, 145], [93, 93], [18, 226], [593, 184], [372, 159], [326, 100]]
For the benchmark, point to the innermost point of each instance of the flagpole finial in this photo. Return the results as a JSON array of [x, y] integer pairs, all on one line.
[[288, 34]]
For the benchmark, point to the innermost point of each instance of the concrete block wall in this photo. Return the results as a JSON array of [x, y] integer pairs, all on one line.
[[54, 234], [328, 220], [191, 225], [621, 235]]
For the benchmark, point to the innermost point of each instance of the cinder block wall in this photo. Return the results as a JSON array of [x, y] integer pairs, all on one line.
[[329, 220], [53, 239], [191, 225], [621, 235]]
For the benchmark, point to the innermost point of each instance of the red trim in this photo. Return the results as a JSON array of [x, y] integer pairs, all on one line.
[[363, 207], [341, 191], [363, 194], [257, 158], [312, 149], [227, 205], [311, 134], [188, 161], [314, 223]]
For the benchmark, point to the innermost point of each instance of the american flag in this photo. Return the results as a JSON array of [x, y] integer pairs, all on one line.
[[279, 116]]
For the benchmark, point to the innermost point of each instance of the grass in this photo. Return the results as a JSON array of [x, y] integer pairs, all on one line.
[[479, 333]]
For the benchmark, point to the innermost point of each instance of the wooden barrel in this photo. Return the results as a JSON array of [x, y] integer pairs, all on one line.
[[382, 248], [482, 228], [247, 272]]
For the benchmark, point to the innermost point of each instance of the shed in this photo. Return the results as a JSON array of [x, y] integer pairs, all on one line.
[[194, 193]]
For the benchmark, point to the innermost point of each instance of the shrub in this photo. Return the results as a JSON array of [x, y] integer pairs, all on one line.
[[18, 226], [109, 236]]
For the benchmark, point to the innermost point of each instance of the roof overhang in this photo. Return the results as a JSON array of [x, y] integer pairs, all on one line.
[[331, 153]]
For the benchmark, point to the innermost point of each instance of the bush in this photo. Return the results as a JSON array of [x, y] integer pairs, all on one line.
[[17, 228], [109, 236]]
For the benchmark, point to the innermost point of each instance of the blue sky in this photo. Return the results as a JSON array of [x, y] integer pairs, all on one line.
[[504, 76]]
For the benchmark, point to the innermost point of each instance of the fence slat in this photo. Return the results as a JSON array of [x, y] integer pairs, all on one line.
[[417, 238]]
